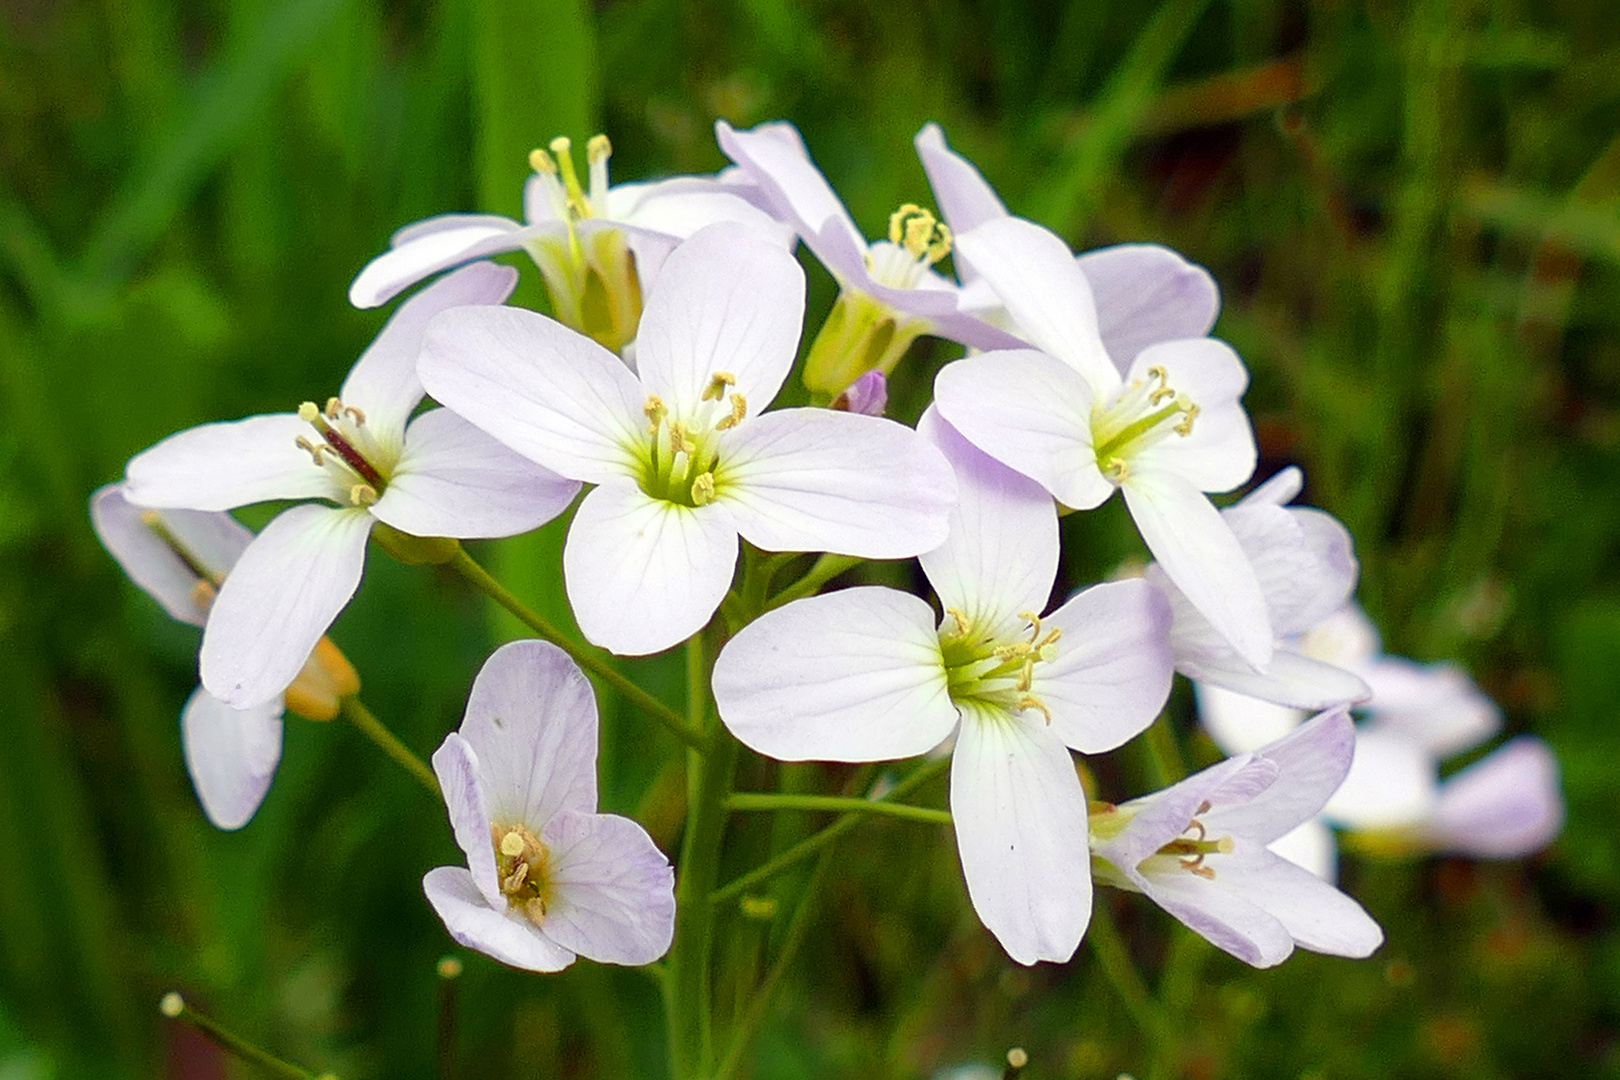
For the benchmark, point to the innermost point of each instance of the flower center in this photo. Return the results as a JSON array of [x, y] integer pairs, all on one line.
[[521, 863], [1190, 848], [569, 201], [917, 240], [1142, 414], [682, 452], [985, 667], [347, 449]]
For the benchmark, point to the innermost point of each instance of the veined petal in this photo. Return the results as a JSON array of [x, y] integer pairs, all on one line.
[[430, 246], [727, 302], [1240, 723], [1312, 846], [230, 754], [820, 480], [213, 542], [223, 466], [383, 382], [531, 718], [1046, 293], [470, 919], [454, 480], [1230, 922], [1219, 454], [1198, 552], [853, 675], [1504, 806], [1032, 414], [1311, 762], [459, 769], [1021, 830], [1146, 294], [614, 892], [284, 592], [1152, 821], [1316, 915], [554, 396], [1302, 558], [966, 200], [1392, 782], [643, 574], [1112, 671], [1290, 683]]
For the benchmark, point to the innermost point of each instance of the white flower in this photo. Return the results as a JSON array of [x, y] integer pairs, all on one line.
[[1164, 427], [179, 557], [590, 240], [865, 675], [547, 877], [1504, 806], [1199, 849], [434, 476], [682, 461]]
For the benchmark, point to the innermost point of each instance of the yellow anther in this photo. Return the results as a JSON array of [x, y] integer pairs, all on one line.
[[512, 844], [719, 383], [515, 880], [362, 495], [898, 219], [1030, 701], [703, 489], [1203, 808], [354, 414], [1034, 621], [309, 412], [1198, 868], [598, 149], [202, 594], [655, 413], [739, 409], [541, 162], [1160, 394], [309, 447], [536, 911], [1158, 374], [1186, 425], [960, 618], [151, 520], [334, 409], [1026, 678], [680, 441], [1117, 470]]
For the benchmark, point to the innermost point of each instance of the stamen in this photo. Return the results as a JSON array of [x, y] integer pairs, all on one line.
[[1030, 701], [541, 162], [655, 413], [536, 911], [334, 409], [362, 495], [354, 414], [202, 594], [1185, 427], [1117, 470], [739, 409], [598, 149], [515, 881], [719, 383], [703, 489], [1025, 678], [314, 451], [512, 844], [961, 621]]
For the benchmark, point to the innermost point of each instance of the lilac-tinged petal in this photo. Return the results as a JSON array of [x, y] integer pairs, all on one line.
[[1021, 829], [819, 480], [1336, 570], [429, 246], [1436, 705], [966, 200], [1154, 820], [867, 395], [1312, 846], [1112, 671], [727, 302], [470, 919], [1302, 558], [1046, 293], [1030, 413], [1225, 919], [284, 592], [1146, 294], [554, 396], [1240, 723], [213, 542], [459, 768], [1220, 452], [1504, 806], [383, 382], [532, 719], [613, 896], [1291, 682], [684, 205], [1311, 762], [774, 157], [223, 466], [1316, 915], [1392, 782], [1198, 552], [230, 754], [1000, 553], [643, 574], [853, 675], [454, 480]]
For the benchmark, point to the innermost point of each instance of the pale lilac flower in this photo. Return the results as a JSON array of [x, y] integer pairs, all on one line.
[[682, 460], [1164, 427], [591, 238], [434, 476], [1200, 850], [1504, 806], [865, 674], [547, 877]]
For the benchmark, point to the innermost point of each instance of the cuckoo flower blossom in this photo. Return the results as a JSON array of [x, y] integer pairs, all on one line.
[[865, 675], [1164, 427], [890, 292], [599, 248], [179, 557], [682, 460], [1200, 850], [434, 476], [547, 877]]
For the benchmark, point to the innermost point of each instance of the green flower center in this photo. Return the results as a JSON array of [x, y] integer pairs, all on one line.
[[1142, 414], [347, 449], [986, 667], [680, 462]]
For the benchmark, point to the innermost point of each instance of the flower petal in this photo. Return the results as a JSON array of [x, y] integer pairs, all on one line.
[[230, 754], [1391, 782], [1311, 762], [1220, 452], [1504, 806], [460, 771], [1021, 830], [1112, 671], [212, 541], [966, 200], [1146, 294], [820, 480], [454, 480], [1230, 922], [469, 918], [684, 205], [1316, 915], [284, 592], [853, 675], [554, 396], [1292, 681], [614, 898], [430, 246], [223, 466], [643, 574], [1436, 705], [1310, 845]]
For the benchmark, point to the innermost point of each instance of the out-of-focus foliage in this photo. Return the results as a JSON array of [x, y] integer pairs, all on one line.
[[1414, 211]]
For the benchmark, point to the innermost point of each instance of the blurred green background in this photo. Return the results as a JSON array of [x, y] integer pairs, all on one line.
[[1413, 210]]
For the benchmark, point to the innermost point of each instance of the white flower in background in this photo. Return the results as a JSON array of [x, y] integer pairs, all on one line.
[[1200, 850], [889, 293], [547, 877], [1306, 564], [865, 674], [1506, 805], [1164, 427], [434, 476], [683, 459], [179, 558], [599, 248]]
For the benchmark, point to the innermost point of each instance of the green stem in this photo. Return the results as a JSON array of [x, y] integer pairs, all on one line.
[[175, 1007], [373, 729], [468, 567], [1164, 753], [814, 843], [771, 801], [825, 569], [1109, 948]]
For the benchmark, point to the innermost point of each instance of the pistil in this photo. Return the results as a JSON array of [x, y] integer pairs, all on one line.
[[342, 444]]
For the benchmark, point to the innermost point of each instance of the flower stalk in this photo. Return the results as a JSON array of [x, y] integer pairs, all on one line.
[[373, 729], [175, 1007]]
